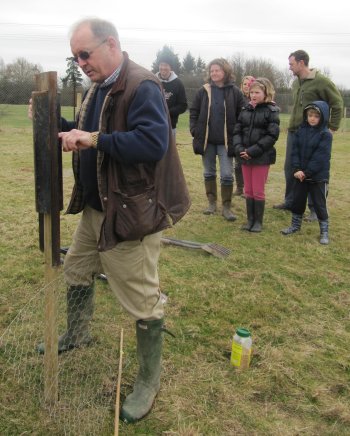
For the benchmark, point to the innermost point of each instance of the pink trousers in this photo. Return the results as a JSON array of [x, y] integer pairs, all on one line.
[[255, 178]]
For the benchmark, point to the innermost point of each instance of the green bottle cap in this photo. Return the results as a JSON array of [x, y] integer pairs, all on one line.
[[243, 333]]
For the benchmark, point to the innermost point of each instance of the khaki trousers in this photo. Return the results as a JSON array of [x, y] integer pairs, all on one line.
[[131, 267]]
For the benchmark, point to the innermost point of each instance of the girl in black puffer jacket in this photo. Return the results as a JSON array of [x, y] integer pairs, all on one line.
[[254, 136]]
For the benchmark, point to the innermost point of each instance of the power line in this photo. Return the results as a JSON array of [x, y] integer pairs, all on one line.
[[192, 30], [210, 42]]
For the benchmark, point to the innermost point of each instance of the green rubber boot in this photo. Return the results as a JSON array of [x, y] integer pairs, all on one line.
[[149, 336], [211, 193], [80, 308], [226, 197]]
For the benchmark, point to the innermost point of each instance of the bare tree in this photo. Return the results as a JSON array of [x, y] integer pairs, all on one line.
[[21, 71], [17, 81], [283, 80], [2, 66], [238, 62]]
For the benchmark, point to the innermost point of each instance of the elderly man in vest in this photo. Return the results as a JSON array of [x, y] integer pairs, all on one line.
[[129, 186]]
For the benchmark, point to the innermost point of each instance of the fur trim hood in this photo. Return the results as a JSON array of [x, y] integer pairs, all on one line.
[[321, 107]]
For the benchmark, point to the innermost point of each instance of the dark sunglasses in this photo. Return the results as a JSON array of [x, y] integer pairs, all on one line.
[[84, 55]]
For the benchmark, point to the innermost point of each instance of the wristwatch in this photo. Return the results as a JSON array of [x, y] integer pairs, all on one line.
[[94, 138]]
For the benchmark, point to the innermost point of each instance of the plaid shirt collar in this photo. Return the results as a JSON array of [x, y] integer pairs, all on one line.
[[112, 78]]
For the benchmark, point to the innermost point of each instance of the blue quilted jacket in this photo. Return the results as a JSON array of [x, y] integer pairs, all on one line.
[[311, 152]]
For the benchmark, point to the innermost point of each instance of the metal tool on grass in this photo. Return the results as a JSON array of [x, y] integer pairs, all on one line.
[[210, 247]]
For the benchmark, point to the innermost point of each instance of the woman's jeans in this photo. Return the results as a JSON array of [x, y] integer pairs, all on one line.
[[226, 164]]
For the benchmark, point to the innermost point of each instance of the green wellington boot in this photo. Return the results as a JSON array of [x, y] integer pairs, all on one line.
[[211, 192], [149, 336], [226, 197], [80, 308]]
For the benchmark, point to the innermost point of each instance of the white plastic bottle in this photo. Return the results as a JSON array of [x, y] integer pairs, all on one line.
[[241, 349]]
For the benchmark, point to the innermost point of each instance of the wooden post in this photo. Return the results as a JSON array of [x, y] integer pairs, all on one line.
[[49, 202], [344, 121], [78, 100], [119, 380]]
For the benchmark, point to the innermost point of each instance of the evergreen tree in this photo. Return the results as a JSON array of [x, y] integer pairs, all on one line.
[[200, 66], [167, 53], [73, 78], [189, 64]]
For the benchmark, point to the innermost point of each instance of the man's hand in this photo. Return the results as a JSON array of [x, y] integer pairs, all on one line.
[[75, 140]]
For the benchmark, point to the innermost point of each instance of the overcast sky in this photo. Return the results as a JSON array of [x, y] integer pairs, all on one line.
[[269, 29]]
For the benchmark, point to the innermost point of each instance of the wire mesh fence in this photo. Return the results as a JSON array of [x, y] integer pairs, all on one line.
[[87, 376], [20, 95]]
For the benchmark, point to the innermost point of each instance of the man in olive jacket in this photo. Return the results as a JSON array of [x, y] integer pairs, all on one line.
[[310, 85], [129, 186]]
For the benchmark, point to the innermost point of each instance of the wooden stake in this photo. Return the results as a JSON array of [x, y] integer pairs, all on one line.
[[48, 189], [51, 332], [117, 399]]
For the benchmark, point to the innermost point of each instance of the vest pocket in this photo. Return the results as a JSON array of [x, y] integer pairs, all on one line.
[[138, 215]]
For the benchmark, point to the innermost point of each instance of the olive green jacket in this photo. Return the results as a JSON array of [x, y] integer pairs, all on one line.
[[315, 87]]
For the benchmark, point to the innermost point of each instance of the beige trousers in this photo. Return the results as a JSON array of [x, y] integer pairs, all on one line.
[[131, 267]]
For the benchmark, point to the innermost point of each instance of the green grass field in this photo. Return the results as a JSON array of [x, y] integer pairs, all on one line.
[[291, 292]]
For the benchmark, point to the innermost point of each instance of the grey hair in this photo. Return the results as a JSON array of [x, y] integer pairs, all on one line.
[[101, 29]]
